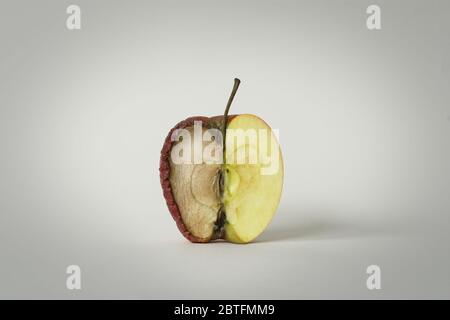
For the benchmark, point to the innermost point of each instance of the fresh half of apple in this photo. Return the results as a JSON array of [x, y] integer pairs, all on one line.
[[234, 198]]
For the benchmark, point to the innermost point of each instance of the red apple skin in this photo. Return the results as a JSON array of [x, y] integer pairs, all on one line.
[[164, 171]]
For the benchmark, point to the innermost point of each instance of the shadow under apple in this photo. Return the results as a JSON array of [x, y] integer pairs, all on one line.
[[315, 227]]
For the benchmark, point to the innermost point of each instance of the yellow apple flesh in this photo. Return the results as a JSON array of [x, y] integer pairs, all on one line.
[[250, 197]]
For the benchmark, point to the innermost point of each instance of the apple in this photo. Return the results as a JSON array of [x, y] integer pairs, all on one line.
[[233, 196]]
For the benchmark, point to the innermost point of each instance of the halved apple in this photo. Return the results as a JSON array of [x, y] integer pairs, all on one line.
[[235, 199]]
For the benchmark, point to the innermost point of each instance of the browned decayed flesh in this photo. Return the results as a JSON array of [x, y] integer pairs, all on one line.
[[195, 188]]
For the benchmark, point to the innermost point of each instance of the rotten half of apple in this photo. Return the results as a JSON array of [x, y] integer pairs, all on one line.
[[222, 177]]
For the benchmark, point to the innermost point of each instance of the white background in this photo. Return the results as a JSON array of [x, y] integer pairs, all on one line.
[[364, 124]]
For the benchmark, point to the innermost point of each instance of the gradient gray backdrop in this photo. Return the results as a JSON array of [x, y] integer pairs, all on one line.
[[364, 122]]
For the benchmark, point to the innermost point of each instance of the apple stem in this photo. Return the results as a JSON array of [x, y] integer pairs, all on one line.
[[237, 82]]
